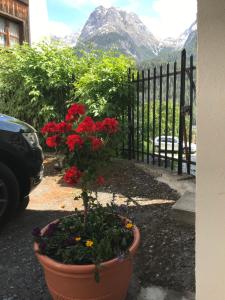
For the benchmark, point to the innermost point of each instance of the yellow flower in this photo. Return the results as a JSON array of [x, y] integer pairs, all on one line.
[[77, 238], [89, 243], [129, 225]]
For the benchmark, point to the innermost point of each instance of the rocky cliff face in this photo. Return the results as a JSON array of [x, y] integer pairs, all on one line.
[[190, 41], [170, 48], [112, 28], [69, 40]]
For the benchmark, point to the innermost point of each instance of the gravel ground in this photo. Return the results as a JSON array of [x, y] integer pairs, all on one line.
[[166, 254]]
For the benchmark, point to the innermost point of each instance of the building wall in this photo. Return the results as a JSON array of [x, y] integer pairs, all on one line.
[[210, 221], [17, 10]]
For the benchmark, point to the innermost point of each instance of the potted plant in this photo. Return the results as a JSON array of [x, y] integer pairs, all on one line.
[[87, 255]]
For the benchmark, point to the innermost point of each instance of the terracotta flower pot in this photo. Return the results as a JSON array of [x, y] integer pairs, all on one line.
[[77, 282]]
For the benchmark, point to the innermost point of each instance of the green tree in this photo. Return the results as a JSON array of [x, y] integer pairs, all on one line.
[[35, 82], [102, 82], [39, 83]]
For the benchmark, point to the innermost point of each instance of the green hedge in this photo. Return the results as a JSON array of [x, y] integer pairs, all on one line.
[[38, 83]]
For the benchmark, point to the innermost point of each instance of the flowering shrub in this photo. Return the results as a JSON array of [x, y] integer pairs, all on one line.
[[85, 144], [98, 233]]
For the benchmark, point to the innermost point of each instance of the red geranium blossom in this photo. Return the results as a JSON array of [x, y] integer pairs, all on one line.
[[72, 175], [73, 140], [81, 139], [53, 141], [63, 127], [50, 127], [110, 125], [99, 126], [75, 111], [53, 127], [96, 143], [100, 180], [86, 126]]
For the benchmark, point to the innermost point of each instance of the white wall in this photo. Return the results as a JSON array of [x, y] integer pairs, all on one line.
[[39, 27], [210, 245]]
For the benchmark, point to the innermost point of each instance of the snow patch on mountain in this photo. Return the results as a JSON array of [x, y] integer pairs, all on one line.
[[178, 43], [113, 28]]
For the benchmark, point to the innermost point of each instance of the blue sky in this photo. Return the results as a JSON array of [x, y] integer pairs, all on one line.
[[163, 17]]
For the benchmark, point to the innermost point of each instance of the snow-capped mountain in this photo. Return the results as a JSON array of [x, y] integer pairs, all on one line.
[[69, 40], [179, 43], [118, 29], [190, 43], [182, 39], [170, 48], [113, 28]]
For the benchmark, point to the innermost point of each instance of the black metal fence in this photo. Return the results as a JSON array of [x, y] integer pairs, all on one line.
[[161, 117]]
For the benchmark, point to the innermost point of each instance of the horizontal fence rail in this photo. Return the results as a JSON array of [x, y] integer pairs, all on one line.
[[161, 116]]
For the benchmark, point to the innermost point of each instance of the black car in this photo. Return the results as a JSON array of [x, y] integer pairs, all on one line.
[[21, 165]]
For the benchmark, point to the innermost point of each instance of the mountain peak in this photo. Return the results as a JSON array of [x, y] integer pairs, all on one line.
[[113, 28], [108, 28], [100, 7]]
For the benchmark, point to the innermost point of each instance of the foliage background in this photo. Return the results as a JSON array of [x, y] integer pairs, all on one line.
[[38, 84]]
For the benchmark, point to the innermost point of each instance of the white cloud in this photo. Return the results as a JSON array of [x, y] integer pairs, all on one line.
[[132, 6], [81, 3], [172, 17], [38, 11], [59, 29]]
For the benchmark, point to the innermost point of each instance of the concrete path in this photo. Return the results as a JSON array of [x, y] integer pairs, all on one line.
[[158, 293], [184, 208]]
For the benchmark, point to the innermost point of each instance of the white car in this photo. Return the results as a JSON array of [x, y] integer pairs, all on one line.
[[170, 144]]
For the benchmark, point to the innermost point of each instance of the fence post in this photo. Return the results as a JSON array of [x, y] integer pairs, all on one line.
[[137, 133], [160, 114], [142, 115], [148, 118], [192, 86], [132, 116], [182, 115], [153, 134], [129, 116], [167, 113], [174, 109]]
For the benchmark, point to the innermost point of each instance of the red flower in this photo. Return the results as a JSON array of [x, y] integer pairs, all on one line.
[[53, 127], [100, 180], [99, 126], [96, 143], [72, 175], [87, 125], [73, 140], [53, 141], [110, 125], [63, 127], [50, 127], [75, 111]]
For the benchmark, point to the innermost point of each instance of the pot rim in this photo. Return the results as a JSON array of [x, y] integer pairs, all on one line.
[[68, 268]]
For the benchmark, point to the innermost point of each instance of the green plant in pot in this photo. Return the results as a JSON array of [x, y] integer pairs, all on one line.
[[87, 255]]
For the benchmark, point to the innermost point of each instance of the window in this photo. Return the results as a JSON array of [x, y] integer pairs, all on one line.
[[9, 32]]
